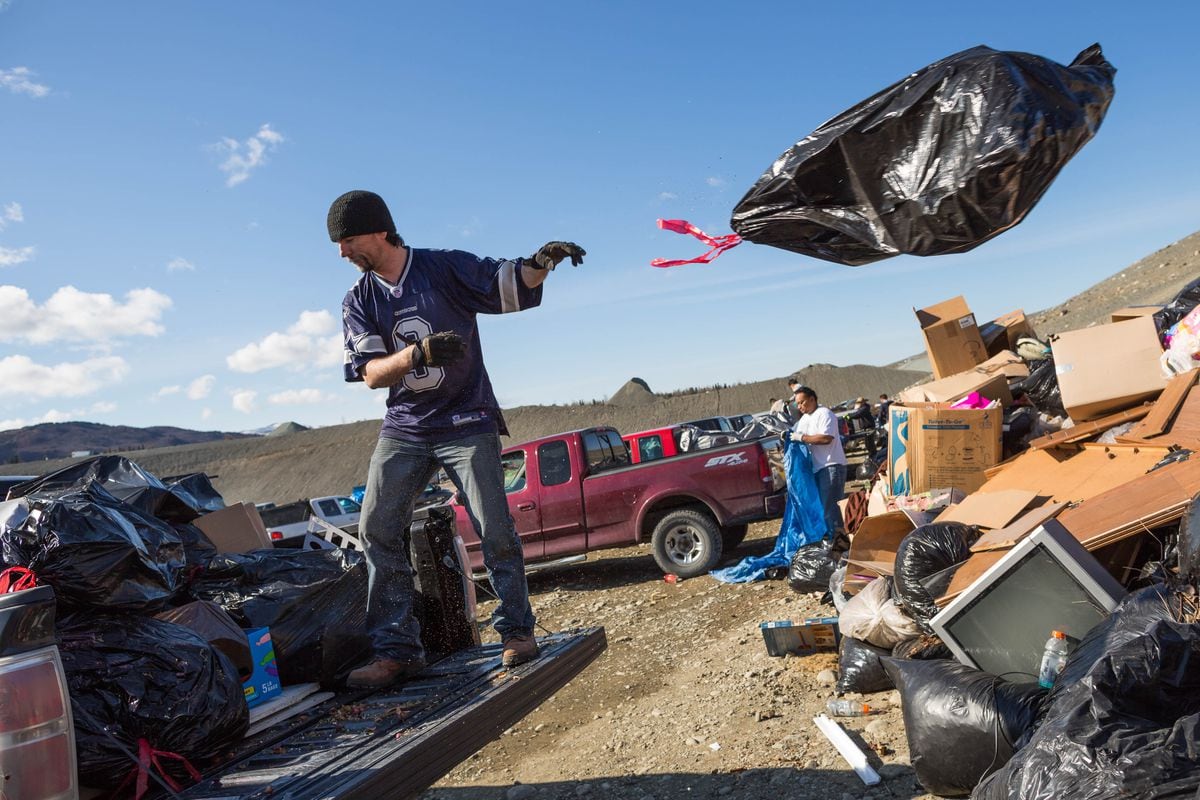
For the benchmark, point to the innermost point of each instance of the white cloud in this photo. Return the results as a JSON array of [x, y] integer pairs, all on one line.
[[243, 400], [667, 196], [11, 256], [72, 315], [167, 391], [205, 413], [11, 213], [4, 4], [295, 397], [714, 181], [312, 341], [21, 376], [180, 265], [54, 415], [241, 158], [201, 387], [19, 80]]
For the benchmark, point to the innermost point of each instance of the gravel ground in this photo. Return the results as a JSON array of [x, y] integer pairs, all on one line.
[[685, 702]]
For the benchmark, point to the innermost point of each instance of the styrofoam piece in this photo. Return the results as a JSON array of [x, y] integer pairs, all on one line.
[[845, 745]]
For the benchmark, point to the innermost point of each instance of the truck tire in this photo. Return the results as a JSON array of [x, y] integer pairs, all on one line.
[[687, 543], [732, 536]]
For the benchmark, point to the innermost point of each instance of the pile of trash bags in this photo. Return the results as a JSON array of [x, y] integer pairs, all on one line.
[[151, 619]]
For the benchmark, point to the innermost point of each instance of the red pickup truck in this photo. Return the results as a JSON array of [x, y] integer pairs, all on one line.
[[573, 493]]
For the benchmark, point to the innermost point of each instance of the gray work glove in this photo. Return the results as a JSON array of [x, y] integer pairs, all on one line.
[[439, 350], [549, 254]]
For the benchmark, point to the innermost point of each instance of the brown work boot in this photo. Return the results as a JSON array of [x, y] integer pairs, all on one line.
[[518, 649], [380, 672]]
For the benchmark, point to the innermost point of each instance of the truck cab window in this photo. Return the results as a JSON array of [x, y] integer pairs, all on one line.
[[514, 471], [554, 463], [650, 448], [329, 508]]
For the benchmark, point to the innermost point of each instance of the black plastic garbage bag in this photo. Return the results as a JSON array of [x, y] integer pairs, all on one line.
[[923, 648], [927, 551], [811, 568], [1188, 544], [961, 723], [940, 162], [314, 602], [1179, 307], [1123, 718], [198, 486], [142, 679], [217, 628], [98, 552], [124, 480], [860, 667], [198, 549], [1041, 387]]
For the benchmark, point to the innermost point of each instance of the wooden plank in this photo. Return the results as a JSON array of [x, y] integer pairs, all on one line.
[[1073, 473], [1006, 537], [1159, 419], [1085, 430], [1184, 429], [1150, 500]]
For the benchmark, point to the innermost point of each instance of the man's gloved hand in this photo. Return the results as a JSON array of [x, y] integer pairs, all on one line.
[[439, 350], [797, 437], [549, 254]]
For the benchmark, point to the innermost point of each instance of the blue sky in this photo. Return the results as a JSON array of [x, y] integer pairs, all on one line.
[[165, 170]]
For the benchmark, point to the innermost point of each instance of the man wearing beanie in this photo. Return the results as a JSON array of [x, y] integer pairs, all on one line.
[[409, 325]]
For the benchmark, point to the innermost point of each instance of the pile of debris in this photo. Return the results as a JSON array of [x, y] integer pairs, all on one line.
[[177, 623], [1033, 490]]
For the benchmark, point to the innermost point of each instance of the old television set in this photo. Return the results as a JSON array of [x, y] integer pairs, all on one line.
[[1047, 582]]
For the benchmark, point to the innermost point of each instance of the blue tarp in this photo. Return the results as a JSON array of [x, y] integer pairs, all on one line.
[[803, 521]]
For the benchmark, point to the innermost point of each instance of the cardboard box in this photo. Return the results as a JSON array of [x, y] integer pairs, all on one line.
[[263, 683], [933, 446], [800, 638], [1108, 368], [947, 390], [1133, 312], [1006, 363], [235, 529], [873, 549], [1005, 331], [951, 337]]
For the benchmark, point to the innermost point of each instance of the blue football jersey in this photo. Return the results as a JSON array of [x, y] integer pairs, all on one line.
[[440, 290]]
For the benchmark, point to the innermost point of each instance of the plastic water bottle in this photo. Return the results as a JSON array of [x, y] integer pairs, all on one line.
[[847, 708], [1054, 658]]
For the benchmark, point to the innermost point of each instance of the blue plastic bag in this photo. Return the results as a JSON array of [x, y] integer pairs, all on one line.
[[803, 521]]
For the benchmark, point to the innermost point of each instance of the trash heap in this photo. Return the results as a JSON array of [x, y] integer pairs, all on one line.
[[174, 615], [1034, 488]]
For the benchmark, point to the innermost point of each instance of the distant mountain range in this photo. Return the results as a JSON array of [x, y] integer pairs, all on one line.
[[52, 440]]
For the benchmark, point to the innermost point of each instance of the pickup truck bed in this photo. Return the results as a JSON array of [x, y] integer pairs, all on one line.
[[392, 744]]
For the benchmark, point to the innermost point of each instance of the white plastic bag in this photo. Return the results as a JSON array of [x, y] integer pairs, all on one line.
[[872, 616]]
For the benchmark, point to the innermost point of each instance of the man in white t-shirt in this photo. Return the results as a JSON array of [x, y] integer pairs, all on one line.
[[818, 428]]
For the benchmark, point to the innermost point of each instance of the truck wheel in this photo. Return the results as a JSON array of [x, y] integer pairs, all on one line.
[[687, 543], [732, 536]]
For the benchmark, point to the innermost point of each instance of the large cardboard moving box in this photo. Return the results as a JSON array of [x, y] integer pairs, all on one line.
[[1108, 368], [933, 446], [951, 337], [1005, 331], [235, 529]]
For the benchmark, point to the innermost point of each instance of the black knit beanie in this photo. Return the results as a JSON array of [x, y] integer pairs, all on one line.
[[358, 212]]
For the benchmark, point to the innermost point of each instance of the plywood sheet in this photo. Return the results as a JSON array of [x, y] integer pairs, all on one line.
[[1165, 408], [1076, 472], [1184, 429]]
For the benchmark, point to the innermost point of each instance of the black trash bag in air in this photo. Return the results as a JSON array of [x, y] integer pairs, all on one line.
[[1123, 718], [811, 568], [124, 480], [940, 162], [98, 552], [860, 667], [1187, 299], [928, 551], [138, 678], [1041, 387], [314, 602], [962, 724]]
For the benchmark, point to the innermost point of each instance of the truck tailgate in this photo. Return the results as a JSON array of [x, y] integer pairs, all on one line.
[[394, 743]]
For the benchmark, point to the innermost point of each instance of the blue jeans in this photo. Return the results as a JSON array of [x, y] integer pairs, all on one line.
[[831, 487], [399, 471]]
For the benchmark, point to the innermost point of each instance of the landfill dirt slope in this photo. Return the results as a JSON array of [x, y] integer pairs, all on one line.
[[685, 702]]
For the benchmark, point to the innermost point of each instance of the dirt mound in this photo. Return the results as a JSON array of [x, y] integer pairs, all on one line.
[[635, 392], [284, 428]]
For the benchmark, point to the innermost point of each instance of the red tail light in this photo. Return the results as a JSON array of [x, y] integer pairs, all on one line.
[[276, 536], [37, 752], [764, 465]]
